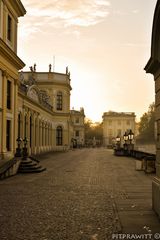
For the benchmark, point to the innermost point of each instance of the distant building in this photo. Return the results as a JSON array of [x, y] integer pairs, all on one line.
[[116, 124], [77, 119]]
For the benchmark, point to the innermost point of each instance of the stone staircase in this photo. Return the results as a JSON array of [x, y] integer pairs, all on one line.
[[30, 165], [19, 165]]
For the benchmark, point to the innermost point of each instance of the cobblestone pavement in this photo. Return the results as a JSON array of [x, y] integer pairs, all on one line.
[[73, 200]]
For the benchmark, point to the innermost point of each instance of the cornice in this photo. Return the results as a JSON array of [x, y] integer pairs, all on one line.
[[10, 55], [17, 6], [61, 114], [152, 66], [55, 83], [20, 7]]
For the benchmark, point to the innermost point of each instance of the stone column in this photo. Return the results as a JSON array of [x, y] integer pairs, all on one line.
[[43, 136], [33, 145], [40, 135], [37, 135], [46, 136], [4, 107], [23, 124], [15, 125], [54, 138], [28, 131], [49, 136]]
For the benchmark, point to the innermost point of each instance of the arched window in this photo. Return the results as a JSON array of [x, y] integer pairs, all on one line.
[[59, 136], [59, 101]]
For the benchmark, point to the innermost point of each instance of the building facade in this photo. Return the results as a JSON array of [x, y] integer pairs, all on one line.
[[10, 64], [116, 124], [77, 119], [34, 106], [44, 110], [153, 67]]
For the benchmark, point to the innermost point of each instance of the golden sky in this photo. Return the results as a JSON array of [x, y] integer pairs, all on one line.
[[105, 43]]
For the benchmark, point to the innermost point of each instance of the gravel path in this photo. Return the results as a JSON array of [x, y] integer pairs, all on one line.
[[72, 200]]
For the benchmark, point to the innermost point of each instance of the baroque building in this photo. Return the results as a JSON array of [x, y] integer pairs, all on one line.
[[116, 124], [34, 106], [153, 67], [44, 110], [10, 64]]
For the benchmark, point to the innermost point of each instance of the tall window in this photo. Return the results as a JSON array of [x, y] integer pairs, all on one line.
[[77, 120], [59, 101], [59, 136], [77, 133], [9, 28], [8, 94], [8, 135]]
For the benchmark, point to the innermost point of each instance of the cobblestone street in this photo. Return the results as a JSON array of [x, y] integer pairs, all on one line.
[[82, 195]]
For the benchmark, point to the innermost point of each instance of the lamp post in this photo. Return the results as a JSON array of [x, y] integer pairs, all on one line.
[[25, 151], [18, 149], [125, 138], [118, 140], [117, 149], [130, 138]]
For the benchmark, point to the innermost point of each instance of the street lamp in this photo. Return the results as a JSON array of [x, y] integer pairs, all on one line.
[[25, 151], [18, 149], [125, 138], [118, 140], [130, 136]]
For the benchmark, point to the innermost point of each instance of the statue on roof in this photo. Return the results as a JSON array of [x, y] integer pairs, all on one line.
[[34, 67], [50, 67], [31, 68], [21, 77], [67, 70]]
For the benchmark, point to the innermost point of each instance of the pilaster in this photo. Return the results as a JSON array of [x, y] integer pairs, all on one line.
[[4, 107], [15, 125], [37, 137], [40, 135]]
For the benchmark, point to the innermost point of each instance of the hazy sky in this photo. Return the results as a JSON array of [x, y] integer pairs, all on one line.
[[105, 43]]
